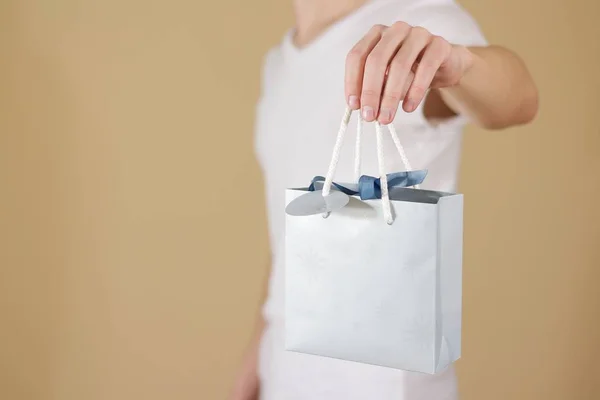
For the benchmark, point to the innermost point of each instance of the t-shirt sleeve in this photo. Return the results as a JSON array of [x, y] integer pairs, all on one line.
[[447, 19]]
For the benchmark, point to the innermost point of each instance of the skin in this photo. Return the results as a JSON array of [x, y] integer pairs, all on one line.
[[247, 383], [399, 65], [404, 66]]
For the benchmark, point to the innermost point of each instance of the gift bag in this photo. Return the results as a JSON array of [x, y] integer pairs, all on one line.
[[374, 267]]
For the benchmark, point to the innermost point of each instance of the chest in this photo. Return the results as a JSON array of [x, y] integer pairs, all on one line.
[[297, 121]]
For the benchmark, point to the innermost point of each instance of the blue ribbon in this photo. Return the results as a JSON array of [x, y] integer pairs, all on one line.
[[369, 187]]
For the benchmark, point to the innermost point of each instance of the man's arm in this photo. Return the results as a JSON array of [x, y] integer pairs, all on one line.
[[247, 383], [400, 63], [495, 92]]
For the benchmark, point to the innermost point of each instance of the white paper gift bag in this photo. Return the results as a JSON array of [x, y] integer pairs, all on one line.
[[378, 280]]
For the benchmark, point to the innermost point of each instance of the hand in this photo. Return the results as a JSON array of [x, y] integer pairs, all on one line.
[[399, 63]]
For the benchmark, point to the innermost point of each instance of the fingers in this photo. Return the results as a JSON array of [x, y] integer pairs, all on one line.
[[355, 65], [433, 57], [393, 65], [400, 73], [376, 66]]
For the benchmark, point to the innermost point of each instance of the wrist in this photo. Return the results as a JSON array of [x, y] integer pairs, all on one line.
[[468, 61]]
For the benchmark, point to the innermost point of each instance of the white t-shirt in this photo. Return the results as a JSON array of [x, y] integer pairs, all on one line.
[[298, 115]]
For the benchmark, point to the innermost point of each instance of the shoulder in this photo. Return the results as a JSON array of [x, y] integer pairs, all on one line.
[[271, 59], [271, 63]]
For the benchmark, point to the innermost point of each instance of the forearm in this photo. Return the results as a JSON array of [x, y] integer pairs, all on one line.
[[247, 383], [496, 92]]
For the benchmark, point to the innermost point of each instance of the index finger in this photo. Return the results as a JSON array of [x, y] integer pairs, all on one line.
[[355, 65]]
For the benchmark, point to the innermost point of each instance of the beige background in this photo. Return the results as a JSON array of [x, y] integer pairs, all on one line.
[[122, 278]]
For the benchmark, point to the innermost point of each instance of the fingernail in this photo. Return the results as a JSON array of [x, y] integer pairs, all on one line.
[[410, 105], [353, 102], [385, 115], [368, 113]]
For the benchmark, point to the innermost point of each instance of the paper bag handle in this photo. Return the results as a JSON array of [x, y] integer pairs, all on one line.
[[380, 156], [357, 148]]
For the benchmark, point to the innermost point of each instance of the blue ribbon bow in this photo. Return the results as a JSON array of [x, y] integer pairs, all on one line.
[[369, 187]]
